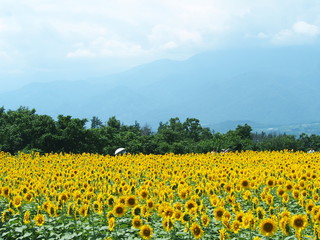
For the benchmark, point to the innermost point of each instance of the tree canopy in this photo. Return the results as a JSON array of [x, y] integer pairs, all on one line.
[[25, 130]]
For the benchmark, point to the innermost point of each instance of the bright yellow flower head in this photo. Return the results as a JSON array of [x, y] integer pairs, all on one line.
[[268, 227]]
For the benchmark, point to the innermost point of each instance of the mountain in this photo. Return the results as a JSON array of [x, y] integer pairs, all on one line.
[[271, 86]]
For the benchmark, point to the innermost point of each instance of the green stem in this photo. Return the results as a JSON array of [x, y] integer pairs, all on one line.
[[75, 223]]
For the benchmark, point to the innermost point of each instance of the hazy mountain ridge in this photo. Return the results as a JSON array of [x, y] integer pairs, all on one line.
[[266, 86]]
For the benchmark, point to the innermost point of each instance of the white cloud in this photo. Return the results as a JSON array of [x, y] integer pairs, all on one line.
[[305, 28], [81, 30], [38, 32], [262, 35], [168, 37], [8, 25], [80, 53], [102, 47], [300, 32], [169, 45], [4, 55]]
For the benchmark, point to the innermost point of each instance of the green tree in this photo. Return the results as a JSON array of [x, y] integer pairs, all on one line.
[[96, 122]]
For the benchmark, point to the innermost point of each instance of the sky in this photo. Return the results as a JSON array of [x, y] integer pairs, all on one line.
[[47, 40]]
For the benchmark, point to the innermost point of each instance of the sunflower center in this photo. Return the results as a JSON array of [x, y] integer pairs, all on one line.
[[298, 223], [190, 206], [131, 201], [119, 210], [137, 223], [268, 227], [196, 231], [219, 213], [146, 232], [245, 183]]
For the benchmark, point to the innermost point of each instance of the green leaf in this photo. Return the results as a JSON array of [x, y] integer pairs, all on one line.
[[68, 236], [290, 237], [27, 234], [20, 229]]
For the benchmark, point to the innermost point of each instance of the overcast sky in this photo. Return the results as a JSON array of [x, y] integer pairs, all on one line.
[[44, 40]]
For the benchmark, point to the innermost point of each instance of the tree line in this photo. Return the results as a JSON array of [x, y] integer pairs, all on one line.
[[25, 130]]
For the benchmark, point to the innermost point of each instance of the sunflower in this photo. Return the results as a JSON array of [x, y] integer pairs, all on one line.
[[177, 215], [228, 188], [299, 221], [39, 219], [131, 201], [268, 227], [309, 206], [196, 230], [239, 216], [218, 213], [245, 183], [223, 234], [247, 195], [269, 199], [205, 220], [136, 222], [271, 181], [119, 210], [84, 210], [236, 226], [190, 205], [248, 220], [110, 201], [183, 194], [63, 197], [178, 206], [7, 214], [186, 217], [150, 203], [52, 209], [280, 191], [167, 224], [146, 232], [315, 211], [6, 191], [260, 212], [26, 217], [45, 206], [231, 199], [111, 223], [28, 196], [285, 198], [98, 207], [70, 209], [168, 212], [122, 200], [296, 194], [214, 200], [315, 196], [143, 193], [316, 218], [284, 225], [289, 186], [17, 201], [285, 214], [136, 211]]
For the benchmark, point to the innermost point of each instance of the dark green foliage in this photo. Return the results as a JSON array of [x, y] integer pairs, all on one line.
[[24, 130]]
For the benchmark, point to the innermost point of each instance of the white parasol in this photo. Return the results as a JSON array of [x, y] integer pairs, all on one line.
[[120, 151]]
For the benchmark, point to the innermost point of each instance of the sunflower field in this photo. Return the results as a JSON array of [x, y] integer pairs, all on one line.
[[239, 195]]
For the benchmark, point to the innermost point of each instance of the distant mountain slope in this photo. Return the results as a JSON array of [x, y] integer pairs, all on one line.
[[267, 86]]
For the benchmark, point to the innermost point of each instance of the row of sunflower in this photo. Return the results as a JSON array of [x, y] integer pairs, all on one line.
[[247, 195]]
